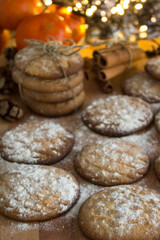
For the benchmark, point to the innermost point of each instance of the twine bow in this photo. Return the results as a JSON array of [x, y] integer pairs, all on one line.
[[126, 45], [54, 49]]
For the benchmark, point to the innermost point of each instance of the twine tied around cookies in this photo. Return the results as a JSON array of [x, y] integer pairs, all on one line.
[[54, 49]]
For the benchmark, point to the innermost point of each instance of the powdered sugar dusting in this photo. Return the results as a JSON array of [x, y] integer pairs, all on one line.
[[116, 162], [148, 139], [118, 115], [35, 192], [120, 210], [144, 86], [28, 142], [154, 65]]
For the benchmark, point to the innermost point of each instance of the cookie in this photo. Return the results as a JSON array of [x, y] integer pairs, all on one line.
[[47, 85], [114, 163], [36, 142], [118, 115], [144, 86], [121, 213], [55, 109], [157, 167], [157, 121], [153, 68], [45, 66], [36, 193], [53, 97]]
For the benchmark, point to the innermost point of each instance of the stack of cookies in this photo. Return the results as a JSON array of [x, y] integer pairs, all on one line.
[[51, 84]]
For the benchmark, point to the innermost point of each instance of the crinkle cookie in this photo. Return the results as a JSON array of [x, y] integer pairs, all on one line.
[[144, 86], [36, 193], [157, 121], [47, 85], [36, 142], [118, 115], [153, 67], [55, 109], [45, 66], [54, 97], [122, 213], [112, 163]]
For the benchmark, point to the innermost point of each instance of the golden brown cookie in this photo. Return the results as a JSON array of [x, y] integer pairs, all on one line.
[[116, 162], [121, 213], [157, 121], [55, 109], [157, 167], [118, 115], [153, 67], [144, 86], [54, 97], [47, 85], [36, 193], [36, 142], [45, 66]]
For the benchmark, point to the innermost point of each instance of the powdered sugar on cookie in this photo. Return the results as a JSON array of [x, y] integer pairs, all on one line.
[[118, 115], [124, 212], [116, 162], [37, 193], [32, 142]]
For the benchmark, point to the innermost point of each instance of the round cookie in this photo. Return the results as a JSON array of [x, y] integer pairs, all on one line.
[[118, 115], [144, 86], [116, 162], [36, 142], [37, 193], [53, 97], [55, 109], [47, 85], [157, 121], [153, 68], [157, 167], [121, 213], [45, 66]]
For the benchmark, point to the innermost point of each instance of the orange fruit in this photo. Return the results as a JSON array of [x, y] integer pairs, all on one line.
[[74, 21], [40, 26], [12, 12], [4, 38]]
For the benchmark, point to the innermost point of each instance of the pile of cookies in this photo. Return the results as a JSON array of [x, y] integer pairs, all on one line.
[[50, 84], [36, 192]]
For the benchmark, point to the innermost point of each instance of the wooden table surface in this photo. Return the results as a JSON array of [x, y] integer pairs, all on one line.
[[66, 226]]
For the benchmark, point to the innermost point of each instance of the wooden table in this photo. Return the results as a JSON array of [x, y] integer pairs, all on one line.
[[66, 226]]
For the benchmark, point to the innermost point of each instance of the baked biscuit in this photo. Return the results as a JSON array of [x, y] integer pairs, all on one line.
[[45, 66], [36, 142], [53, 97], [46, 85], [116, 162], [55, 109], [153, 67], [122, 213], [118, 115], [157, 121], [144, 86], [36, 193], [157, 167]]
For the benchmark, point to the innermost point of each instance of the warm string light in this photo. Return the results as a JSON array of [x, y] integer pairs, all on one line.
[[48, 2], [105, 12]]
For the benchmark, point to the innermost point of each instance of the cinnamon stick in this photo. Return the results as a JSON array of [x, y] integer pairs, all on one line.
[[97, 53], [114, 58], [105, 87], [107, 74]]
